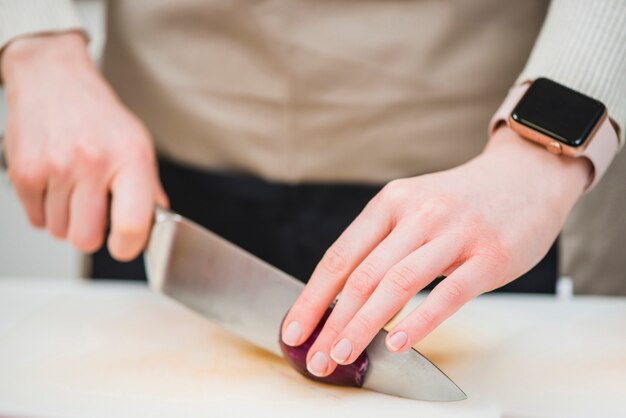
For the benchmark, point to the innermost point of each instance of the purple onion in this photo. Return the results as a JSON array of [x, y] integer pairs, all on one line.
[[344, 375]]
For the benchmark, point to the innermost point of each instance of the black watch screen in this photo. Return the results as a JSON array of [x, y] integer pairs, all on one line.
[[558, 112]]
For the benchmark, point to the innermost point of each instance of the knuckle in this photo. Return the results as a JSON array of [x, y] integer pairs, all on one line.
[[61, 167], [27, 174], [331, 328], [306, 301], [86, 243], [334, 260], [129, 231], [137, 151], [493, 255], [394, 190], [452, 293], [380, 200], [57, 231], [92, 157], [131, 226], [435, 207], [377, 202], [425, 319], [365, 323], [363, 281], [401, 280]]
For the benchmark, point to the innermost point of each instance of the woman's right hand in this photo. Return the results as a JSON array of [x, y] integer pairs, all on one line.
[[70, 143]]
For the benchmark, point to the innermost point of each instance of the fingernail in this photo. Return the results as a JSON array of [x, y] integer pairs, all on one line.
[[292, 333], [342, 351], [318, 364], [397, 340]]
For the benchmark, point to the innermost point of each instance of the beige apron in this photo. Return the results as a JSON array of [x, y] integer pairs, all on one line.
[[319, 90]]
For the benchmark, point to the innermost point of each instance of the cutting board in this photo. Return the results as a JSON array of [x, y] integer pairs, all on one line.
[[112, 349]]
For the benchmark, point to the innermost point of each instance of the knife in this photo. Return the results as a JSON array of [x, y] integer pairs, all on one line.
[[249, 297]]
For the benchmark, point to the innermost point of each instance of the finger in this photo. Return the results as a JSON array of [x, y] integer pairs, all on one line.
[[131, 210], [397, 287], [361, 283], [30, 186], [358, 240], [87, 216], [465, 283], [57, 207]]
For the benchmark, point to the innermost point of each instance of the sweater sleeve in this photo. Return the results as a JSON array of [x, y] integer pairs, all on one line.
[[582, 45], [24, 17]]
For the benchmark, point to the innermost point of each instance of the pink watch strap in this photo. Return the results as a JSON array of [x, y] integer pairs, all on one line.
[[600, 151], [507, 106]]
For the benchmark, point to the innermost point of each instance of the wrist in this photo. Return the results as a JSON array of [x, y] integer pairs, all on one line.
[[560, 177], [26, 54]]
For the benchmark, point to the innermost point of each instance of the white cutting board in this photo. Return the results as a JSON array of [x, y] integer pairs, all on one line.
[[75, 349]]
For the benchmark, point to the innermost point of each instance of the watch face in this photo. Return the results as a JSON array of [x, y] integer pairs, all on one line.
[[558, 112]]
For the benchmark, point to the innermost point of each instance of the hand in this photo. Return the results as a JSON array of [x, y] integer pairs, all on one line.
[[70, 142], [481, 224]]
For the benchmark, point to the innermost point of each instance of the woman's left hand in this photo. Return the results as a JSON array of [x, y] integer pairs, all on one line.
[[481, 224]]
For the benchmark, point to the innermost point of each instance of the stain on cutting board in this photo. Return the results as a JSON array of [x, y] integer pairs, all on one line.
[[152, 351]]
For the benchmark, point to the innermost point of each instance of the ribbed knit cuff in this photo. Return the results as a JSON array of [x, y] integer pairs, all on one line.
[[23, 17], [583, 45]]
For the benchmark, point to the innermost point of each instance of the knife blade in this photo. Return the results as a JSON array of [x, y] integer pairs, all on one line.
[[249, 298]]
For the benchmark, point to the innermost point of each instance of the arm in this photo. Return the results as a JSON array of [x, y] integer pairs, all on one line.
[[481, 224], [70, 143]]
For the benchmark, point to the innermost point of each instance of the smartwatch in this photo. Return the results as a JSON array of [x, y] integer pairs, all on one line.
[[562, 120]]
